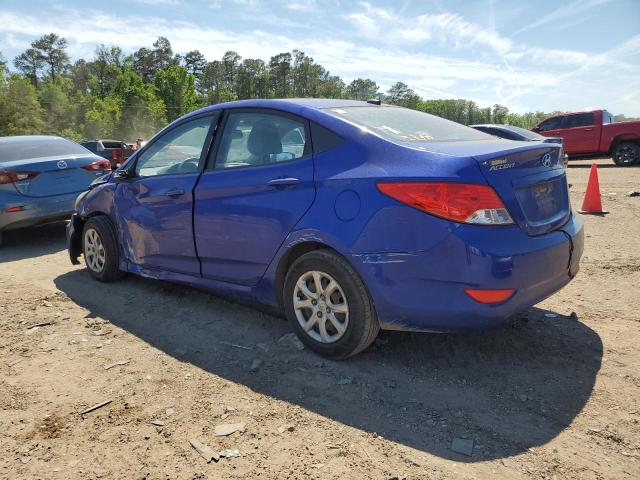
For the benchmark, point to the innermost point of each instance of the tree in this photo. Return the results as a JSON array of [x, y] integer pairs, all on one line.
[[251, 79], [331, 86], [142, 112], [499, 113], [280, 75], [20, 113], [230, 65], [163, 54], [146, 62], [105, 69], [30, 64], [195, 62], [362, 89], [52, 47], [401, 94], [176, 87], [55, 102]]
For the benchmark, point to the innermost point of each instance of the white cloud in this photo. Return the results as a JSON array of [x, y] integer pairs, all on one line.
[[301, 5], [483, 66], [564, 12]]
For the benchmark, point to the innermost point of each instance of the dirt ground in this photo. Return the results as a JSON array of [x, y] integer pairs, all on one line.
[[555, 395]]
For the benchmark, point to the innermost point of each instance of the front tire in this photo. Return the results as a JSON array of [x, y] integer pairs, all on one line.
[[626, 154], [328, 305], [100, 249]]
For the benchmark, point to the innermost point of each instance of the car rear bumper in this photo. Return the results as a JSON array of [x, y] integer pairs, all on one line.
[[424, 290], [36, 211]]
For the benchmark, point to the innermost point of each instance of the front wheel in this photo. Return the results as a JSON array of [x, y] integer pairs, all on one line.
[[100, 249], [626, 153], [328, 305]]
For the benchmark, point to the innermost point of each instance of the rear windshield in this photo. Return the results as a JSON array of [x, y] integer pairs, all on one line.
[[525, 133], [403, 124], [27, 148]]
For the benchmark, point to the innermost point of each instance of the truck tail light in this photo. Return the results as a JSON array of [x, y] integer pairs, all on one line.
[[458, 202]]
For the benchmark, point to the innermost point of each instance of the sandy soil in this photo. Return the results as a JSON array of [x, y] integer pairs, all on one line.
[[555, 395]]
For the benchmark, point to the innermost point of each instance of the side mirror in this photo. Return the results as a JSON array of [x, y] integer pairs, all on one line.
[[123, 174], [536, 129]]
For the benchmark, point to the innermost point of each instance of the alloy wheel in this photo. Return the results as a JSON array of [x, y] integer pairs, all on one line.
[[94, 253], [321, 306], [626, 155]]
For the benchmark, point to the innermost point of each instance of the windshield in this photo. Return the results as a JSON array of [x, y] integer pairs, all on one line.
[[27, 148], [407, 125]]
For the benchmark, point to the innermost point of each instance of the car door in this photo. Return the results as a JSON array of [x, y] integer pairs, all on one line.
[[257, 185], [154, 208], [579, 133]]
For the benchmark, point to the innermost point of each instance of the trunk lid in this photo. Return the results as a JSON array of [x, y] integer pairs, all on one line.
[[529, 177], [57, 175]]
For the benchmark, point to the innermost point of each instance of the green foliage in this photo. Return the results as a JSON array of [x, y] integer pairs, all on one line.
[[30, 64], [132, 96], [20, 112], [176, 88], [363, 89], [52, 49]]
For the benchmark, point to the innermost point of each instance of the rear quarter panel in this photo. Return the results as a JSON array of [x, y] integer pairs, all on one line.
[[614, 133]]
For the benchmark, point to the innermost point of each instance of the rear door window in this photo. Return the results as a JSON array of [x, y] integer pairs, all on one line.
[[260, 138], [323, 139], [579, 120]]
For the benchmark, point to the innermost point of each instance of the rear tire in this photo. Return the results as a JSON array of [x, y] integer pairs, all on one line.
[[336, 320], [626, 154], [101, 250]]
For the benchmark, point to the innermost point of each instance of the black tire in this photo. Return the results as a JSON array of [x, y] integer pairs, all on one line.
[[626, 154], [105, 230], [362, 326]]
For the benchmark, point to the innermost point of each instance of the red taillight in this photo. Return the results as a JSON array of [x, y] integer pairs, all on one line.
[[19, 208], [459, 202], [14, 177], [489, 296], [98, 165], [114, 154]]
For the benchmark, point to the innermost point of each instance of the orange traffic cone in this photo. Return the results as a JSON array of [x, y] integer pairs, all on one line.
[[592, 202]]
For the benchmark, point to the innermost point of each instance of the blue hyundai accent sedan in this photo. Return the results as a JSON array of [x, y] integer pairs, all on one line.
[[346, 216]]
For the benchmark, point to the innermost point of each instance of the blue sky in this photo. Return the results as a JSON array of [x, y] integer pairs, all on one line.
[[538, 55]]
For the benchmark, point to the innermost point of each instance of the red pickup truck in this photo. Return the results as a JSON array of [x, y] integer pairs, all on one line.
[[590, 133]]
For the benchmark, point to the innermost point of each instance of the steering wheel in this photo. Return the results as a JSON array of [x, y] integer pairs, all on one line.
[[190, 165]]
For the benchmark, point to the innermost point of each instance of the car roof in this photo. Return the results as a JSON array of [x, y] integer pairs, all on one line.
[[294, 105]]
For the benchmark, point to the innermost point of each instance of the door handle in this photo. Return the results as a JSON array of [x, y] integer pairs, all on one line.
[[283, 182], [588, 129], [175, 192]]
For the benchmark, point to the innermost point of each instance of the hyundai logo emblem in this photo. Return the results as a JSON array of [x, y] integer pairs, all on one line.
[[546, 160], [62, 164]]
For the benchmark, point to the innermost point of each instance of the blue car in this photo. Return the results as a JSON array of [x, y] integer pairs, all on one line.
[[40, 178], [346, 216]]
